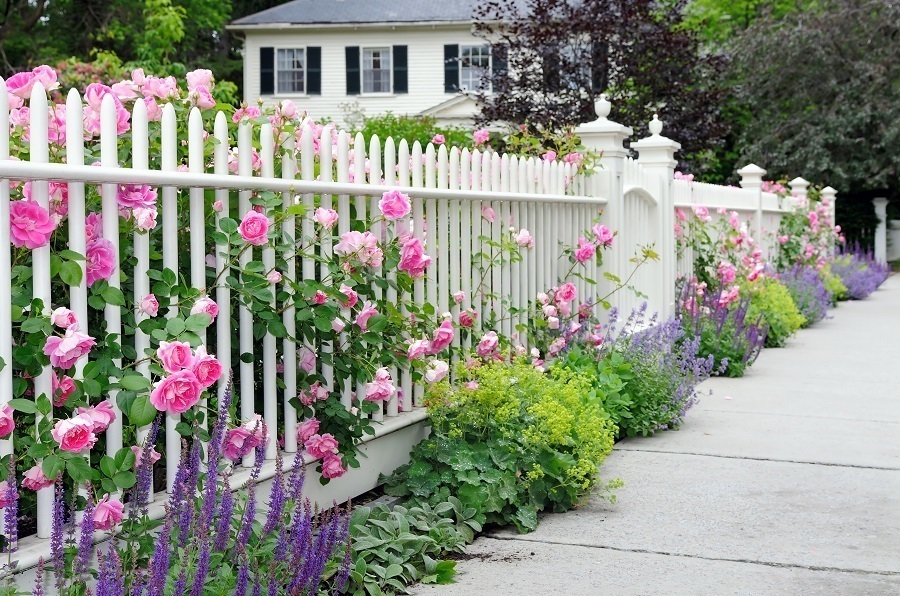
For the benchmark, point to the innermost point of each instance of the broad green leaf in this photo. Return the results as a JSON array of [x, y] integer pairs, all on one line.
[[134, 382], [25, 406], [142, 411]]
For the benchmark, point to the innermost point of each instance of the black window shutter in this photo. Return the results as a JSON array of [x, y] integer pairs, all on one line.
[[314, 71], [499, 61], [401, 70], [551, 66], [266, 71], [353, 82], [599, 67], [451, 68]]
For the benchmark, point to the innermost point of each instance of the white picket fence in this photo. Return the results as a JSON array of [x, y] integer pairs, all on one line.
[[449, 188]]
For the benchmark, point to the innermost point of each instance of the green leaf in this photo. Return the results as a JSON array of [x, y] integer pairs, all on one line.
[[52, 466], [377, 324], [142, 411], [108, 466], [91, 387], [175, 326], [70, 273], [135, 382], [80, 470], [36, 325], [25, 406], [197, 322], [70, 255], [247, 357], [113, 296], [323, 324], [124, 480], [125, 459], [228, 225]]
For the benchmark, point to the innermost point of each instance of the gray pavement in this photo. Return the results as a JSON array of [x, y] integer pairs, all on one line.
[[786, 481]]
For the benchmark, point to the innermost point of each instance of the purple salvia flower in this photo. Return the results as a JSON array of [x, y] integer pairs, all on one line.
[[11, 511], [110, 581], [243, 577], [257, 587], [226, 507], [343, 573], [39, 579], [202, 568], [181, 582], [159, 563], [145, 473], [56, 535], [296, 479], [85, 542], [186, 506], [276, 498], [250, 510], [808, 291]]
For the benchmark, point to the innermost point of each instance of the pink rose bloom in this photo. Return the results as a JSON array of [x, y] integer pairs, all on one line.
[[93, 226], [107, 513], [549, 310], [574, 158], [131, 196], [362, 319], [729, 296], [150, 305], [481, 136], [62, 389], [549, 156], [418, 349], [320, 445], [585, 251], [524, 239], [198, 78], [565, 293], [702, 213], [65, 318], [553, 322], [325, 217], [361, 246], [394, 205], [176, 393], [154, 112], [352, 297], [727, 272], [207, 306], [565, 308], [202, 98], [436, 371], [65, 351], [556, 347], [30, 225], [332, 466], [206, 368], [438, 139], [442, 337], [307, 429], [471, 385], [337, 325], [467, 318], [382, 387], [7, 422], [459, 297], [320, 297], [488, 214], [413, 259], [101, 260], [20, 84], [144, 218], [603, 235], [138, 451], [543, 298], [218, 207], [74, 434], [287, 109], [35, 480], [124, 90], [757, 271], [488, 344], [175, 355], [102, 415], [6, 495], [306, 360], [254, 228]]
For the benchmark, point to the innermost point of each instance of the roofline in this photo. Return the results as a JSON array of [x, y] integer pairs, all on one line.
[[374, 24]]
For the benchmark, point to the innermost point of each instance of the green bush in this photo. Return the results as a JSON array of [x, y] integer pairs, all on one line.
[[836, 288], [608, 379], [413, 128], [770, 299], [510, 442]]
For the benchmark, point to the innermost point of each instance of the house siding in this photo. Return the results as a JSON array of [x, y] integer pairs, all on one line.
[[425, 63]]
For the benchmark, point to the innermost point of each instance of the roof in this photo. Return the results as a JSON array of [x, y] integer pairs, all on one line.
[[309, 12]]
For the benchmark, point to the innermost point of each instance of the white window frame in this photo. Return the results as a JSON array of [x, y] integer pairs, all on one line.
[[278, 90], [486, 83], [389, 69]]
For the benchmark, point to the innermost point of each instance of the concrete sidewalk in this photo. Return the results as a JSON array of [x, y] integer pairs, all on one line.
[[786, 481]]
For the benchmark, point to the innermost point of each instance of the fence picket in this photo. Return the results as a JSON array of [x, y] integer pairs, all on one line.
[[245, 317], [168, 161]]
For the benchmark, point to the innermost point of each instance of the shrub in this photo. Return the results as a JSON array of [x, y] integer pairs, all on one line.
[[808, 291], [413, 128], [836, 288], [771, 300], [666, 367], [510, 441], [723, 329], [608, 376], [859, 272]]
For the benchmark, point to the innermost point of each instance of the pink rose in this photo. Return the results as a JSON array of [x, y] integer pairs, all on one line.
[[306, 359], [206, 368], [442, 337], [238, 443], [132, 196], [175, 355], [381, 388], [101, 260], [198, 78], [332, 466], [30, 225], [144, 218], [218, 207], [320, 445], [436, 371], [702, 213], [565, 308], [102, 415], [488, 214], [20, 84], [62, 389], [74, 434], [361, 247], [459, 297], [727, 272], [7, 495], [107, 513], [93, 226], [394, 205], [352, 297], [543, 298], [325, 217], [549, 156], [7, 422], [274, 277], [320, 297], [549, 310], [418, 349], [481, 136], [138, 451], [556, 347], [287, 109], [467, 318], [574, 158], [65, 351], [35, 479], [207, 306], [488, 344], [471, 385], [254, 228], [524, 239], [585, 251], [553, 322], [307, 429], [65, 318], [337, 325], [413, 259], [565, 293], [150, 305], [603, 235], [362, 319], [176, 393]]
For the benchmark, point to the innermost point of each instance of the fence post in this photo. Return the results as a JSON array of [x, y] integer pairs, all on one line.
[[608, 137], [881, 230], [752, 179], [829, 196], [799, 188], [657, 156]]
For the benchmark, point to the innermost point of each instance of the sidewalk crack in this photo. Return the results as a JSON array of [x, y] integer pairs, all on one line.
[[745, 457]]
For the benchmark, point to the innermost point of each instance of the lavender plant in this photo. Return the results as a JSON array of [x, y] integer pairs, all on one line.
[[859, 272], [808, 291], [723, 330]]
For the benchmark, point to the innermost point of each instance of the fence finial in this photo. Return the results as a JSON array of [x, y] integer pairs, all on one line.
[[602, 106], [655, 125]]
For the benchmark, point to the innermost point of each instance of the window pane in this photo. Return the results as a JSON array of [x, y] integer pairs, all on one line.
[[376, 70], [475, 68], [290, 70]]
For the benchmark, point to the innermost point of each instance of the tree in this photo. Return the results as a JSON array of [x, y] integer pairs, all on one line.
[[564, 53]]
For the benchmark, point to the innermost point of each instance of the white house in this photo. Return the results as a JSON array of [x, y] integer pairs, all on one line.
[[402, 56]]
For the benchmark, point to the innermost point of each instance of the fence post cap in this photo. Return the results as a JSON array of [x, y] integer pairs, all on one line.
[[828, 190], [602, 106], [798, 181], [751, 170], [656, 125]]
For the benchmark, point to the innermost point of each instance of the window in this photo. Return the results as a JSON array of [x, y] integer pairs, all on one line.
[[474, 68], [376, 70], [291, 74]]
